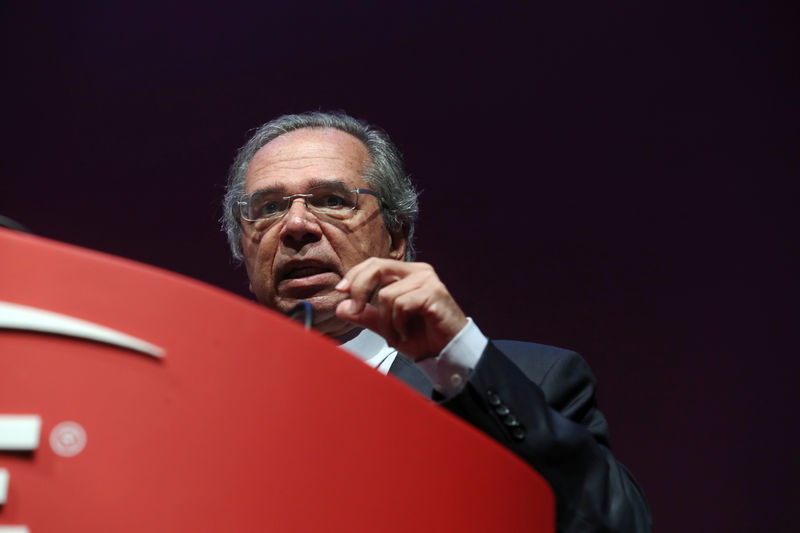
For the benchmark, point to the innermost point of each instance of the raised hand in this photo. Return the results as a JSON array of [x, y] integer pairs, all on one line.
[[406, 303]]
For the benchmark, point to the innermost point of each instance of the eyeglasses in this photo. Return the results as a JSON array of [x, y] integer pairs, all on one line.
[[330, 200]]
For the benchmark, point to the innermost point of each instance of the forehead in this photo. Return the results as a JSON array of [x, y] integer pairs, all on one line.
[[299, 157]]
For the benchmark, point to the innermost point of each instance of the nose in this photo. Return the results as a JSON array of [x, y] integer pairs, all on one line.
[[299, 225]]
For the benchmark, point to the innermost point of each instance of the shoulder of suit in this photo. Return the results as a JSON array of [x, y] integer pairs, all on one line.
[[527, 349], [533, 357]]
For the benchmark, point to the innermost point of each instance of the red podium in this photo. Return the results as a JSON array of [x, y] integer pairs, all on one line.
[[164, 404]]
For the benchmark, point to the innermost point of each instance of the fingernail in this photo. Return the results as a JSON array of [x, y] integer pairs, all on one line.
[[342, 284], [349, 307]]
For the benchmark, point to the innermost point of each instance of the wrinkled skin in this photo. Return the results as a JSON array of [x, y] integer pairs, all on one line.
[[305, 257]]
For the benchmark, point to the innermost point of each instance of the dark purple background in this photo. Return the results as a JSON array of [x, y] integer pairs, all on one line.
[[618, 178]]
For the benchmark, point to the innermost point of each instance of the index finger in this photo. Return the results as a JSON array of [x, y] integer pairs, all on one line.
[[372, 263], [362, 280]]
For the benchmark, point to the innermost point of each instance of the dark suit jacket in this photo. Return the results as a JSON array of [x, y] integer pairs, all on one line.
[[539, 402]]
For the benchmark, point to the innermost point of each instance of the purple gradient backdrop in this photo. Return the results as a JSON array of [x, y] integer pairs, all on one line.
[[616, 178]]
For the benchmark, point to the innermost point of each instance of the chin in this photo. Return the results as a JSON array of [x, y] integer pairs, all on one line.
[[326, 305], [323, 304]]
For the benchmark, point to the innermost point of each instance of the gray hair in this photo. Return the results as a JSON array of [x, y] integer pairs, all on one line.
[[385, 173]]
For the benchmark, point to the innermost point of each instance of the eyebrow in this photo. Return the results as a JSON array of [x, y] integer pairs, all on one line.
[[312, 184]]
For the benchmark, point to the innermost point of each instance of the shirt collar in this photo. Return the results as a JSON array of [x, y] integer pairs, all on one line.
[[370, 348]]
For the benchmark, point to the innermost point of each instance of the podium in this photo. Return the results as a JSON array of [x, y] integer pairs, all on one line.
[[133, 399]]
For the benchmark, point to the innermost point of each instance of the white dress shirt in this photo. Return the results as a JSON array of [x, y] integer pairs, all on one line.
[[448, 371]]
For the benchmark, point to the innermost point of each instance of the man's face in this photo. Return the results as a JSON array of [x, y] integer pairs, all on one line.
[[302, 256]]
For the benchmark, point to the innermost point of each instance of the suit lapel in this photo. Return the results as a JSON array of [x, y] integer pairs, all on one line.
[[405, 370]]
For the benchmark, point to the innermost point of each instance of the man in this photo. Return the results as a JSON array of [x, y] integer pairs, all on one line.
[[319, 208]]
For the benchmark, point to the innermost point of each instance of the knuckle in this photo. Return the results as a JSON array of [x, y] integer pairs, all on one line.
[[440, 291], [404, 305], [384, 297]]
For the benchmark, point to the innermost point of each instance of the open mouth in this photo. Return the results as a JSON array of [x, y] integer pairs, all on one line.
[[307, 277], [305, 271]]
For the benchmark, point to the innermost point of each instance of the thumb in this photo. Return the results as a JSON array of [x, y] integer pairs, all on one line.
[[367, 317]]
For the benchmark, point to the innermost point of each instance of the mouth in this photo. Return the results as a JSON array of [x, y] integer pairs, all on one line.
[[306, 278], [305, 271]]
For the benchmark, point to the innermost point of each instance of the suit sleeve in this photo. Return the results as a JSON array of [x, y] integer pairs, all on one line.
[[547, 415]]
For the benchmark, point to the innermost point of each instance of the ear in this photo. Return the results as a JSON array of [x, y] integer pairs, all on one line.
[[398, 244]]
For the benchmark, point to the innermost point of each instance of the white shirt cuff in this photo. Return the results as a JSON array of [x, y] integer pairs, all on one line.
[[450, 370]]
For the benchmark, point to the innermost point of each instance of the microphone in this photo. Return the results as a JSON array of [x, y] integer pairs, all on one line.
[[302, 312]]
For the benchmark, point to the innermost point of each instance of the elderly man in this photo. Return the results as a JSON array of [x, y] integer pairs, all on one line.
[[320, 209]]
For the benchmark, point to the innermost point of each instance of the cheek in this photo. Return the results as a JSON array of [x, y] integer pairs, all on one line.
[[373, 243], [257, 255]]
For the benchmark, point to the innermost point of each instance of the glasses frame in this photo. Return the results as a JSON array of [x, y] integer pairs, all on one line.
[[241, 205]]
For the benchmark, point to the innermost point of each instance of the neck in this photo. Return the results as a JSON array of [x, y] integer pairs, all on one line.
[[350, 335]]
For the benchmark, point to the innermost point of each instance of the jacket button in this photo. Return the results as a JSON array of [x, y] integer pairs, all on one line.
[[518, 433], [494, 399], [501, 410]]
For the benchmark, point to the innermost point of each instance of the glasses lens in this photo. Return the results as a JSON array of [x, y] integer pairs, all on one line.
[[263, 205], [333, 200]]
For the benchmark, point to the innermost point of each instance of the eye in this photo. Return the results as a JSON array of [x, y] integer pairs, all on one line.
[[332, 201], [268, 208], [264, 205]]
